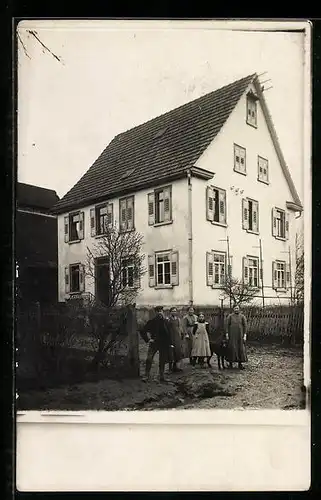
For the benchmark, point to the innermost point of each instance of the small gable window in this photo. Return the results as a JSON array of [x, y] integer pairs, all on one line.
[[251, 109], [263, 169], [239, 159]]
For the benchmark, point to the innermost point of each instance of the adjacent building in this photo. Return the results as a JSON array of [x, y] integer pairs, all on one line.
[[208, 187], [36, 245]]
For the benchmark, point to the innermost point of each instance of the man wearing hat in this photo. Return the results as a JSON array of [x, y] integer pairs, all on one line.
[[157, 334]]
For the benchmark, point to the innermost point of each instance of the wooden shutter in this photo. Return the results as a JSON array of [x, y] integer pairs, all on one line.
[[81, 225], [210, 208], [237, 157], [209, 269], [81, 278], [93, 222], [245, 270], [274, 217], [151, 209], [174, 269], [242, 166], [255, 216], [230, 265], [245, 213], [66, 228], [122, 215], [222, 206], [286, 225], [110, 214], [167, 204], [67, 280], [288, 283], [274, 276], [137, 283], [151, 270], [130, 213]]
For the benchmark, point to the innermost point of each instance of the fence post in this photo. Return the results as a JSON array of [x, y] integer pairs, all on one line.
[[133, 352]]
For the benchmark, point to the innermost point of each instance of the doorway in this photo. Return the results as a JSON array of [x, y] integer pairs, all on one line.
[[102, 271]]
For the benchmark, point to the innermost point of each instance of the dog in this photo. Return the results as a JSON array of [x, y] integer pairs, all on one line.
[[219, 347]]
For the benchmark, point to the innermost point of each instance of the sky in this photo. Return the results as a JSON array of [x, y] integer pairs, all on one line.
[[116, 75]]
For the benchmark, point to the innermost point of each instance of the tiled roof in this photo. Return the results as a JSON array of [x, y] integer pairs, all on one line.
[[156, 150], [30, 196]]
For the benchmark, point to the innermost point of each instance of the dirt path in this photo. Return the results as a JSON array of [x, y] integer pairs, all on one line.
[[272, 379]]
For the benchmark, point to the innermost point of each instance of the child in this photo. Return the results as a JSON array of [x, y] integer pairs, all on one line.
[[201, 344]]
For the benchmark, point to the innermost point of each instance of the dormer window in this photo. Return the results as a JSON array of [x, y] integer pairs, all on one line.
[[251, 109]]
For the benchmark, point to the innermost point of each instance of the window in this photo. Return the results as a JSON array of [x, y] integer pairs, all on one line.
[[216, 268], [101, 217], [263, 169], [74, 278], [239, 159], [163, 269], [128, 273], [280, 275], [126, 213], [250, 215], [74, 227], [251, 110], [216, 205], [280, 224], [160, 206], [251, 271]]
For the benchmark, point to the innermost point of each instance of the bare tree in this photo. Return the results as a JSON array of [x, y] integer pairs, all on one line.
[[299, 269], [238, 291], [126, 267]]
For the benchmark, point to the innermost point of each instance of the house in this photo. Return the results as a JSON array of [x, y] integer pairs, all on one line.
[[204, 183], [36, 245]]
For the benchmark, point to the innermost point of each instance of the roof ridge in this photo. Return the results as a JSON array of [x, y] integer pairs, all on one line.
[[235, 82]]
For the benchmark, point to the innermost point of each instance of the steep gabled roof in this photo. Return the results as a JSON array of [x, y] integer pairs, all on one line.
[[35, 197], [164, 147]]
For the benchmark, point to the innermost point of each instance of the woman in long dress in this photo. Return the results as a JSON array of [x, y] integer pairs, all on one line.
[[176, 331], [236, 337], [201, 344], [189, 321]]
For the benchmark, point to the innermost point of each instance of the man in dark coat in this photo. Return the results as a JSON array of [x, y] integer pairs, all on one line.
[[157, 334]]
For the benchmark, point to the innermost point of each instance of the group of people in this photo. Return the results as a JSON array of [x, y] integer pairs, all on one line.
[[191, 338]]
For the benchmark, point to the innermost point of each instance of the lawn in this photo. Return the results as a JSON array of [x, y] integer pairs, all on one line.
[[273, 379]]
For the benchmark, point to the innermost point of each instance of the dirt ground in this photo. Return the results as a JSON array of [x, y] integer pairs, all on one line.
[[272, 379]]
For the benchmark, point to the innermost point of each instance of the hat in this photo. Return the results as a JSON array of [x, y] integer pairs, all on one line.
[[159, 308]]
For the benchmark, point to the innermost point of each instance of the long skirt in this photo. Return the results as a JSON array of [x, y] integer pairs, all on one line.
[[236, 348], [201, 345]]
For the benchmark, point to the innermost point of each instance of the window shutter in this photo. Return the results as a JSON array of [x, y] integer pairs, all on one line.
[[274, 276], [92, 222], [274, 230], [236, 157], [110, 214], [286, 224], [230, 265], [255, 208], [81, 225], [245, 213], [242, 160], [287, 276], [222, 206], [245, 270], [209, 269], [137, 283], [174, 269], [210, 203], [81, 278], [122, 215], [167, 204], [66, 228], [151, 270], [151, 209], [67, 280], [130, 213]]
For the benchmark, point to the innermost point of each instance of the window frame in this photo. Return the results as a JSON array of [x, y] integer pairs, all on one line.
[[267, 180], [245, 225], [153, 215], [235, 146], [220, 192], [129, 264], [283, 263], [126, 199], [162, 254], [173, 256], [68, 281], [219, 253], [251, 98], [70, 216], [285, 235], [247, 279]]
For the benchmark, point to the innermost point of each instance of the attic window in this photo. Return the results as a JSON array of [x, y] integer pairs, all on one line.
[[160, 132], [128, 173], [251, 109]]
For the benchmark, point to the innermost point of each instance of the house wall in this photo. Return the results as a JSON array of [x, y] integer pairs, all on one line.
[[219, 158], [172, 236]]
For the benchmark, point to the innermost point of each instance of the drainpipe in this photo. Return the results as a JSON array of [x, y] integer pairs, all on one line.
[[190, 238]]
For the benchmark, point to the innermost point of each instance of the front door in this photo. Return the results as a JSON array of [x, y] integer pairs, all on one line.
[[103, 280]]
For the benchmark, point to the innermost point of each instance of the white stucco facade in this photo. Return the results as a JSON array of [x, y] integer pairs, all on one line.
[[207, 236]]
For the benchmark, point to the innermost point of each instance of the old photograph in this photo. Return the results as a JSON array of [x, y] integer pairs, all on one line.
[[159, 223]]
